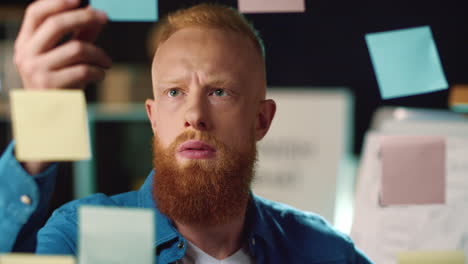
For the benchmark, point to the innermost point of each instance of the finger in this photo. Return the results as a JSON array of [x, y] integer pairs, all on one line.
[[38, 11], [57, 26], [75, 52], [77, 76], [89, 34]]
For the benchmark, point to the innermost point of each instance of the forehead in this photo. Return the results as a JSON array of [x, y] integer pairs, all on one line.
[[207, 50]]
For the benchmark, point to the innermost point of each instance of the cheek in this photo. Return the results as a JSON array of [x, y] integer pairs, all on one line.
[[169, 105], [236, 128], [164, 134], [167, 125]]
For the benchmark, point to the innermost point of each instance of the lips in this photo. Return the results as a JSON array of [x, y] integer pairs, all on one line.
[[195, 149]]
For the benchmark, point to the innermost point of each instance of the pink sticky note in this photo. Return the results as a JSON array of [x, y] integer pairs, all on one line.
[[271, 6], [413, 170]]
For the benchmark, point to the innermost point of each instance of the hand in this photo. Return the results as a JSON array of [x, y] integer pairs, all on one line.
[[43, 64]]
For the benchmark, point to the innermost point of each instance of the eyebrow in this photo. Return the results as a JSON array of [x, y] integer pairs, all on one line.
[[212, 81], [220, 82]]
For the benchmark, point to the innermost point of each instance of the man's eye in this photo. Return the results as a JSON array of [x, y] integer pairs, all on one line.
[[173, 93], [219, 92]]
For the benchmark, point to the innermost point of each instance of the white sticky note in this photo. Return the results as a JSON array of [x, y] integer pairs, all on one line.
[[19, 258], [271, 6], [50, 125], [112, 235]]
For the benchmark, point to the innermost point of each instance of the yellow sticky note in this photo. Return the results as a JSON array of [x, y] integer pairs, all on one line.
[[35, 259], [50, 125], [431, 257]]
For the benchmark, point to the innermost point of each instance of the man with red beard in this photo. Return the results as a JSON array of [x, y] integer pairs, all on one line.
[[208, 112]]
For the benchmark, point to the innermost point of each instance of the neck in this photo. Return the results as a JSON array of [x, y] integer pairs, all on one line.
[[220, 241]]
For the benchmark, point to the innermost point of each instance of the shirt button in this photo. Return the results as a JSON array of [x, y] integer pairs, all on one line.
[[253, 241], [180, 245], [25, 199]]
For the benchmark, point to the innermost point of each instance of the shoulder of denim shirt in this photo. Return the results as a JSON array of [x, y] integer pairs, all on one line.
[[59, 235], [138, 198], [304, 234], [127, 199]]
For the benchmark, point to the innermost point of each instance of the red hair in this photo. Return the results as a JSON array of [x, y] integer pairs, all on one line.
[[205, 15]]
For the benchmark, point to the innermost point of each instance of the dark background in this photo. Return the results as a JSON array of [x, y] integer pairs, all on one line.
[[325, 45], [322, 47]]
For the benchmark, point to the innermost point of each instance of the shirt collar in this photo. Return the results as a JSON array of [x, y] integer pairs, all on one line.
[[256, 220]]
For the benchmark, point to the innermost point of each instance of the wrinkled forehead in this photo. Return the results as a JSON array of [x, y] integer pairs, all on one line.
[[210, 50]]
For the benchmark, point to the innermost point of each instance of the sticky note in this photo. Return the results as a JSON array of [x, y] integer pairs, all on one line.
[[126, 10], [458, 98], [431, 257], [406, 62], [413, 170], [18, 258], [112, 235], [271, 6], [50, 125]]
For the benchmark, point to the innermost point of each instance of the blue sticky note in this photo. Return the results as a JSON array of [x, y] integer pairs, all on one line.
[[128, 10], [406, 62]]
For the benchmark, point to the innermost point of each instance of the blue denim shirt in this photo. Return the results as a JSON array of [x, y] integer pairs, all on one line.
[[20, 221], [275, 233]]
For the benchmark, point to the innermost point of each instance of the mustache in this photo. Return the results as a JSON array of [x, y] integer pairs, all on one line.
[[196, 135]]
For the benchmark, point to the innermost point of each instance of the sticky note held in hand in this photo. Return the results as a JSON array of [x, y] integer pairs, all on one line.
[[126, 10], [50, 125], [112, 235], [271, 6], [406, 62]]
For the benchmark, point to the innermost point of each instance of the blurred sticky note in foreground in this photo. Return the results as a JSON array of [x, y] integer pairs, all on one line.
[[17, 258], [128, 10], [431, 257], [50, 125], [271, 6], [406, 62], [112, 235], [413, 170]]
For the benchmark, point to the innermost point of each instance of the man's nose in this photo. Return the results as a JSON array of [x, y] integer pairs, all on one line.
[[196, 115]]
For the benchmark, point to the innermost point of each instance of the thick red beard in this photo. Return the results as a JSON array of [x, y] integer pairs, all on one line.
[[202, 192]]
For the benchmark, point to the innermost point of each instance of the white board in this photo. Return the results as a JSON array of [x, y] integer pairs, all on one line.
[[300, 156], [383, 232]]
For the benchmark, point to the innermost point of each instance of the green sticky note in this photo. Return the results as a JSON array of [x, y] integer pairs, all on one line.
[[113, 235], [406, 62], [431, 257], [126, 10], [459, 108]]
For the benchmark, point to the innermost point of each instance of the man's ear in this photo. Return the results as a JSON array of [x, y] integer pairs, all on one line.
[[264, 118], [150, 106]]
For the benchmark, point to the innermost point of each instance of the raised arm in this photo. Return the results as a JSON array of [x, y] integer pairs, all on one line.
[[45, 61]]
